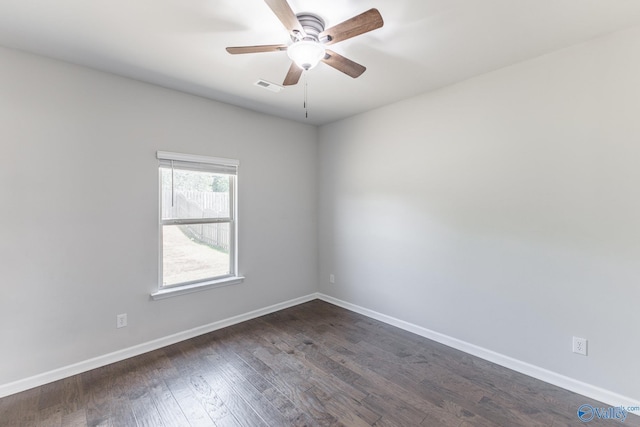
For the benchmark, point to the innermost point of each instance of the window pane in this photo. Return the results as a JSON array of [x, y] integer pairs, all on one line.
[[195, 194], [195, 252]]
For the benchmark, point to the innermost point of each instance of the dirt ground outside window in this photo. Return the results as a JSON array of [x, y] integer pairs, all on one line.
[[185, 260]]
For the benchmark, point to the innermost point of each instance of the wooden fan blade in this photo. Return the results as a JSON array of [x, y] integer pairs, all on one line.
[[285, 14], [256, 49], [340, 63], [360, 24], [293, 76]]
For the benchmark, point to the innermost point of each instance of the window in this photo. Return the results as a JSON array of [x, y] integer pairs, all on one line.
[[197, 222]]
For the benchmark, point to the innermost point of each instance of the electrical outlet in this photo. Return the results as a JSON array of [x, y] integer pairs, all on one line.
[[121, 320], [332, 278], [580, 345]]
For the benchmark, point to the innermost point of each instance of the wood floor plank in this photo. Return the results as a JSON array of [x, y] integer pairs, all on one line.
[[314, 364], [347, 410], [242, 411], [193, 411], [49, 417], [97, 386], [151, 400], [168, 408], [49, 396], [121, 412], [21, 408], [145, 411], [76, 418], [263, 407], [212, 402], [62, 403], [189, 362]]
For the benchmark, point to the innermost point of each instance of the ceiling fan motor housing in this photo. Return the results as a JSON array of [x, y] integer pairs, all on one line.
[[312, 24]]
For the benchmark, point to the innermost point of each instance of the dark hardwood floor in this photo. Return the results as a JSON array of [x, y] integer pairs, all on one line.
[[311, 365]]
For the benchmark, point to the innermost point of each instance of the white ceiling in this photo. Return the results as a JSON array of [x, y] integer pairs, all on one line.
[[424, 44]]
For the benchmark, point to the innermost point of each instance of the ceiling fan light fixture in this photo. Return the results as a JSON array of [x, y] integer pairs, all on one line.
[[306, 53]]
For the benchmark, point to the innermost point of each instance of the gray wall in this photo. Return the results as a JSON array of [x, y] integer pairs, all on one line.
[[503, 211], [79, 211]]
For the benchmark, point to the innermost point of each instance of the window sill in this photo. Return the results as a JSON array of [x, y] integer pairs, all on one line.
[[196, 287]]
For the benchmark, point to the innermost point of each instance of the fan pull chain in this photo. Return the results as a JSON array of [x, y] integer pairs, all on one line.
[[306, 110]]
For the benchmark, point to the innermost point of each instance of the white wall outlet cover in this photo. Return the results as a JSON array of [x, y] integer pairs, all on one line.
[[580, 345], [121, 320]]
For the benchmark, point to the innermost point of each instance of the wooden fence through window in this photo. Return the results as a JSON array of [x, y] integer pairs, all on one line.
[[200, 204]]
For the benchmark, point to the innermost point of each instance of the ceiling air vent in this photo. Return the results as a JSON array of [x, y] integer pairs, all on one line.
[[268, 85]]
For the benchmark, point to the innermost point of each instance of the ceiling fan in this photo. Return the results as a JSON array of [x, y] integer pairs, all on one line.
[[309, 38]]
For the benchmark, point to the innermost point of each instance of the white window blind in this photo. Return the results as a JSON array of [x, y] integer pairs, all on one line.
[[198, 163]]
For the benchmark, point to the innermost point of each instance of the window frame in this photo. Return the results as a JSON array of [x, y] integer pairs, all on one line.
[[205, 164]]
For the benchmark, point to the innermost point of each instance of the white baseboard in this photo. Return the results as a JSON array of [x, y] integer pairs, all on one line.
[[116, 356], [588, 390]]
